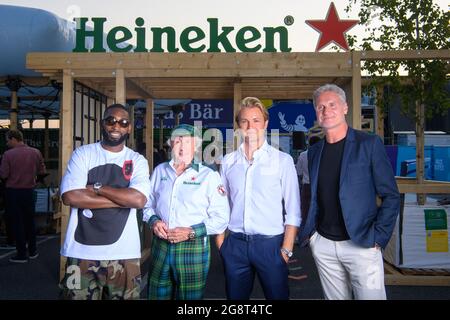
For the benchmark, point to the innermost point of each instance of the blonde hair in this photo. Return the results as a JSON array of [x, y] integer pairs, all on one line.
[[252, 102]]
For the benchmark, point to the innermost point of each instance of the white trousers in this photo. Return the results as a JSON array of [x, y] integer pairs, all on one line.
[[348, 271]]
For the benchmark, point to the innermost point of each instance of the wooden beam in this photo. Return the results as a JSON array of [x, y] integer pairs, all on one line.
[[416, 280], [139, 87], [183, 60], [66, 148], [120, 87], [242, 73], [34, 81], [425, 188], [409, 185], [96, 86], [406, 55]]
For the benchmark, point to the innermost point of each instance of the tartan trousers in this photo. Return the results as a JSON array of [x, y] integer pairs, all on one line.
[[179, 271]]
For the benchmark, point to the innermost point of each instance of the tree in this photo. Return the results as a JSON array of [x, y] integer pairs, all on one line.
[[407, 25]]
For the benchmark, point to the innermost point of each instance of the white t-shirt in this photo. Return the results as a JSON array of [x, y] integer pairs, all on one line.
[[111, 233]]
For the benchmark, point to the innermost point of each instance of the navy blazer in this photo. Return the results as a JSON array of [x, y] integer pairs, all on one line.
[[365, 173]]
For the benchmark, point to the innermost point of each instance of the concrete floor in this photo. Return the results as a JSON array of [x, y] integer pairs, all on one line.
[[38, 279]]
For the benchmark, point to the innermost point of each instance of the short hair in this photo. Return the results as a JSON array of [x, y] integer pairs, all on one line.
[[252, 102], [16, 134], [116, 106], [327, 88]]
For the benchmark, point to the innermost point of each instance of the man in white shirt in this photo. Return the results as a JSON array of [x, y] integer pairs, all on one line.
[[187, 203], [257, 179], [104, 184]]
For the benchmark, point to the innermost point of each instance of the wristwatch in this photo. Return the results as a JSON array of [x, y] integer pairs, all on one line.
[[192, 235], [97, 187], [287, 252]]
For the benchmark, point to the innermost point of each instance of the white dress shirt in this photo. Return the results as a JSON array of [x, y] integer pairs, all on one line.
[[196, 196], [256, 191]]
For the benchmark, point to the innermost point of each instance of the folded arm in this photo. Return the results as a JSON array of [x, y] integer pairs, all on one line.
[[86, 198], [123, 197], [107, 197]]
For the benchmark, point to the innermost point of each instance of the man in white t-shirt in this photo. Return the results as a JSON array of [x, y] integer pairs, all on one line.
[[104, 184]]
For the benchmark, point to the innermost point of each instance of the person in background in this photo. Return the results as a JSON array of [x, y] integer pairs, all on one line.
[[20, 167]]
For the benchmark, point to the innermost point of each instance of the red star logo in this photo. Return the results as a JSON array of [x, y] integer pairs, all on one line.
[[332, 29]]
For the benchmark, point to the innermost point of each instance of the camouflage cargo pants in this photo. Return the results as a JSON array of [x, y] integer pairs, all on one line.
[[101, 279]]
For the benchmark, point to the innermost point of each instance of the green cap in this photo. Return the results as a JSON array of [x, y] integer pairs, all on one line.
[[183, 130]]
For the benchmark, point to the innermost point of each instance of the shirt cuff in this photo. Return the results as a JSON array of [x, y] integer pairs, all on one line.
[[153, 218], [200, 229], [293, 220]]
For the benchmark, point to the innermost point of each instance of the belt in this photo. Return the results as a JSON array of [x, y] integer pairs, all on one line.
[[250, 237]]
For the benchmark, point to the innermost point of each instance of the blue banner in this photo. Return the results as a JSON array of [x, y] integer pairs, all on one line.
[[212, 113], [289, 116]]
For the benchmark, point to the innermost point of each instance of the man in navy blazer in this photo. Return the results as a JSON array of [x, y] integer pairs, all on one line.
[[345, 227]]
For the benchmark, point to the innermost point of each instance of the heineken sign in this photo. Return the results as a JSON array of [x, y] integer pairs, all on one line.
[[213, 38], [191, 39]]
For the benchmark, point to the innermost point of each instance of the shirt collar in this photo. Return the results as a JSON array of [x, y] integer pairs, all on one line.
[[195, 164], [265, 147]]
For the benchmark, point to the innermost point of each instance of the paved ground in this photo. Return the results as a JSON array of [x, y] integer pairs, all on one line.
[[38, 278]]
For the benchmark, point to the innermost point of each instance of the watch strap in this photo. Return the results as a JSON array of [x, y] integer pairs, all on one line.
[[287, 252]]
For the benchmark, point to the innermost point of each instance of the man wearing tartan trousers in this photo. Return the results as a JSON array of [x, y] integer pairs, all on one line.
[[187, 203]]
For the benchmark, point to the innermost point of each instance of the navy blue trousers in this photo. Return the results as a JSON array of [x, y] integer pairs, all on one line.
[[244, 256]]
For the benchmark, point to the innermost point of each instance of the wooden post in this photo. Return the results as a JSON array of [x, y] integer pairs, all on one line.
[[131, 137], [149, 133], [120, 87], [177, 118], [13, 111], [147, 233], [420, 149], [66, 148], [355, 114], [237, 98], [379, 113], [161, 132]]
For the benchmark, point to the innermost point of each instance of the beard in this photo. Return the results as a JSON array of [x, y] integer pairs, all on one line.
[[112, 142]]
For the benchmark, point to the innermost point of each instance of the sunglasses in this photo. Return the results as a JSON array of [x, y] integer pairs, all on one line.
[[111, 121]]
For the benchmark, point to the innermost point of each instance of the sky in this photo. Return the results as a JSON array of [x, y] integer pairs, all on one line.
[[181, 14]]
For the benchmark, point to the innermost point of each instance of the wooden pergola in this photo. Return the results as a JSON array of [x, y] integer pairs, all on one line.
[[149, 76]]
